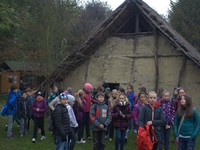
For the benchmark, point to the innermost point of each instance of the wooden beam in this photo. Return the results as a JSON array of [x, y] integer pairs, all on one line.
[[152, 56], [156, 58], [86, 71], [182, 70], [137, 23]]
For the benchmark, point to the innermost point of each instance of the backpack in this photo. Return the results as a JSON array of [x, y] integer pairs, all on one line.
[[146, 138]]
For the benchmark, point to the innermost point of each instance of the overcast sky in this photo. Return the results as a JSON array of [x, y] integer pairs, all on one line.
[[161, 6]]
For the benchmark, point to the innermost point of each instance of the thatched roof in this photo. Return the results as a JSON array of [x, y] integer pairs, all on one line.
[[122, 20], [19, 66]]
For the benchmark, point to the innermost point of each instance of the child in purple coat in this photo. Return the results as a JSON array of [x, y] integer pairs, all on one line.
[[138, 107], [38, 108], [169, 113]]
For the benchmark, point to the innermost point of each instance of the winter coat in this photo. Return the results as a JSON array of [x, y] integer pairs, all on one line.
[[10, 108], [158, 120], [168, 110], [137, 110], [42, 108], [99, 114], [88, 101], [118, 121], [61, 120], [72, 118], [78, 110], [30, 99], [23, 108], [131, 98], [190, 126]]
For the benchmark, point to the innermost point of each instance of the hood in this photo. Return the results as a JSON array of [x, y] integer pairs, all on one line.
[[157, 104]]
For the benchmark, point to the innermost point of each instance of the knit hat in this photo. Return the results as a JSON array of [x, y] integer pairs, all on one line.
[[71, 98], [63, 96], [39, 93], [88, 86]]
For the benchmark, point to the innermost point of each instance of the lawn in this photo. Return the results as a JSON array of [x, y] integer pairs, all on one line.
[[24, 143]]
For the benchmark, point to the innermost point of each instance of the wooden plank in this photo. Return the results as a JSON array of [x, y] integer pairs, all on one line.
[[156, 58], [86, 71], [182, 70]]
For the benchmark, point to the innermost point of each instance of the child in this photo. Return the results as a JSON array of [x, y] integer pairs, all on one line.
[[152, 115], [30, 99], [73, 122], [121, 115], [79, 107], [169, 112], [138, 107], [131, 98], [175, 94], [111, 103], [23, 111], [38, 108], [61, 123], [181, 92], [186, 124], [100, 118], [86, 116], [10, 109]]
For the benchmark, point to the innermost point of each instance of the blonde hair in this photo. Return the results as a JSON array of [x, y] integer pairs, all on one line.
[[152, 92], [78, 99]]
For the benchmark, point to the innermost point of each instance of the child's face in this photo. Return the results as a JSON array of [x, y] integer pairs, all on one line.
[[114, 95], [63, 101], [183, 101], [129, 89], [152, 98], [100, 98], [122, 98], [175, 92], [24, 95], [28, 93], [166, 96], [181, 92], [72, 103], [143, 98]]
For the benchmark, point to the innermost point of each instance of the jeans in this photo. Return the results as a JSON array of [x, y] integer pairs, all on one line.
[[98, 140], [86, 117], [60, 144], [38, 123], [72, 138], [10, 123], [120, 138], [111, 130], [165, 135], [80, 129], [186, 143], [23, 125]]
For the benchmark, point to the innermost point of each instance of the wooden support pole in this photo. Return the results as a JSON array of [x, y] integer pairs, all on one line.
[[86, 71], [156, 59], [182, 70]]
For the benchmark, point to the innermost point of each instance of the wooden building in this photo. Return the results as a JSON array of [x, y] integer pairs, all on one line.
[[134, 45], [12, 72]]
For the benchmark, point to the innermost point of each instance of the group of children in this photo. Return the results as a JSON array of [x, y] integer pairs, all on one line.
[[112, 110]]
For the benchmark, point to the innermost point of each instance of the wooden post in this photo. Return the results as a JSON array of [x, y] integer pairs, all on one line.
[[156, 59], [182, 69], [86, 71]]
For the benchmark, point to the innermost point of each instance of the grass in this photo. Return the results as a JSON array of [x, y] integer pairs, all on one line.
[[24, 143]]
